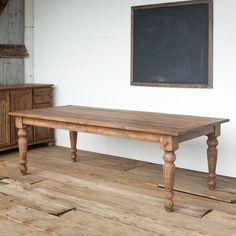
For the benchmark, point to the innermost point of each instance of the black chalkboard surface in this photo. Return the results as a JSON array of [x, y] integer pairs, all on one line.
[[172, 44]]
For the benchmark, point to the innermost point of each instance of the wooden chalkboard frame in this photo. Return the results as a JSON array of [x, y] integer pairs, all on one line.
[[210, 44]]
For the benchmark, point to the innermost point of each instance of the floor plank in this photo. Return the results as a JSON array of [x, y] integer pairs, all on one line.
[[48, 223], [225, 189], [222, 217], [95, 188], [12, 228], [34, 198]]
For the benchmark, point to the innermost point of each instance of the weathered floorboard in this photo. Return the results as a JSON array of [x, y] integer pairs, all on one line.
[[48, 223], [107, 198], [34, 198]]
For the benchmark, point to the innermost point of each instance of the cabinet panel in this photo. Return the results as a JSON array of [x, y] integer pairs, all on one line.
[[4, 119], [39, 132], [20, 100], [42, 95]]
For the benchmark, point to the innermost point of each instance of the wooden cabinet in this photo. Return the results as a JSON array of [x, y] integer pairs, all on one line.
[[23, 97], [4, 120], [20, 100]]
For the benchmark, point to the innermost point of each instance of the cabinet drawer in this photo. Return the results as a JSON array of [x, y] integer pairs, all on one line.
[[42, 95]]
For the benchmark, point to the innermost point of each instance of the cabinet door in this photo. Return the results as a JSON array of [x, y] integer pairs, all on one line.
[[4, 119], [20, 100], [41, 133]]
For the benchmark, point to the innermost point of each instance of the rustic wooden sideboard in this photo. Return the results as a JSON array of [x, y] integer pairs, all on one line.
[[23, 97]]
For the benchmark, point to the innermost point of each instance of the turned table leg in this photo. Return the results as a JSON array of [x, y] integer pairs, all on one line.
[[23, 145], [169, 177], [169, 144], [73, 142], [212, 152]]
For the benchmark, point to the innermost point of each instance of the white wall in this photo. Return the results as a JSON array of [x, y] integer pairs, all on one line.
[[83, 47]]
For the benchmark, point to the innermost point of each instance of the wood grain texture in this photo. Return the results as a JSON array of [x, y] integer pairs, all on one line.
[[167, 129], [212, 152], [12, 23], [4, 119], [169, 176], [23, 145], [154, 123], [109, 199], [34, 197], [73, 143], [42, 98], [11, 71], [23, 86], [48, 224], [13, 51], [12, 33]]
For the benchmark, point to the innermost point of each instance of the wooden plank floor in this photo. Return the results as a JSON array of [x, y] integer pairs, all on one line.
[[106, 195]]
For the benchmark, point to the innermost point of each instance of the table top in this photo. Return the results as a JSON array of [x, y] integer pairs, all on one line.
[[149, 122]]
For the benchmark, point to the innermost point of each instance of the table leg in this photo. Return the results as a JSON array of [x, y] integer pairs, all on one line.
[[73, 142], [23, 146], [212, 152], [169, 145], [169, 176]]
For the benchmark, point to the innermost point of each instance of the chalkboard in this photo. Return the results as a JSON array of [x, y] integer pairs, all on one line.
[[172, 44]]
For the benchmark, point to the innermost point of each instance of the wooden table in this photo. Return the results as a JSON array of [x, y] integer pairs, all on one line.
[[168, 130]]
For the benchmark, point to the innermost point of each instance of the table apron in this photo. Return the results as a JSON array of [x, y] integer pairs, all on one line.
[[92, 129], [195, 134]]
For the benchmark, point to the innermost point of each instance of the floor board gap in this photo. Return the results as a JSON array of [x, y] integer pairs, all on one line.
[[207, 212], [39, 181], [200, 195], [64, 212], [132, 168]]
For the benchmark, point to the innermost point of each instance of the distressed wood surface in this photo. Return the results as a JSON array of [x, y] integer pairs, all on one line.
[[32, 197], [12, 32], [147, 122], [4, 119], [11, 71], [73, 143], [12, 23], [13, 51], [108, 195], [225, 218], [47, 224], [24, 86], [225, 189], [8, 227], [169, 130]]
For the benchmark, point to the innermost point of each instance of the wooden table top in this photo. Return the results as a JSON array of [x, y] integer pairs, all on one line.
[[149, 122]]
